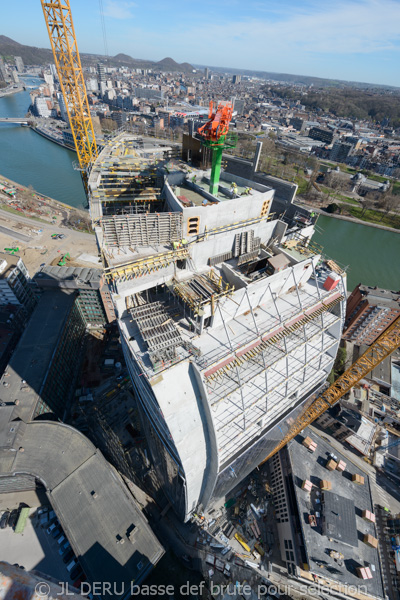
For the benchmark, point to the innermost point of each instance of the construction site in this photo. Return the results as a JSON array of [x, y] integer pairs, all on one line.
[[229, 322]]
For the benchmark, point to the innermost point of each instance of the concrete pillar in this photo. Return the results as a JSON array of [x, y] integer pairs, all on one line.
[[257, 156]]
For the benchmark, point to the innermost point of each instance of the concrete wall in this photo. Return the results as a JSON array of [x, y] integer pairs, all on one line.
[[260, 291], [224, 241], [183, 411], [238, 166], [212, 468], [227, 212]]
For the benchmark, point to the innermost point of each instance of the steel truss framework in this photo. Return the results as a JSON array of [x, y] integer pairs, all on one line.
[[61, 32], [387, 342]]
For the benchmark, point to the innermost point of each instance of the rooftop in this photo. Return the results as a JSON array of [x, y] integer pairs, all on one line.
[[339, 518], [381, 297], [343, 521], [7, 263], [73, 278], [107, 531]]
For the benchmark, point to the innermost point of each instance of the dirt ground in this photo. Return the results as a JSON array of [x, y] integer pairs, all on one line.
[[41, 249], [28, 220]]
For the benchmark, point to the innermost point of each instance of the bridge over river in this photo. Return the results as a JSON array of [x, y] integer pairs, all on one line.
[[21, 120]]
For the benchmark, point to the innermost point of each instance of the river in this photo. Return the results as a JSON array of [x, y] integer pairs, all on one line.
[[28, 158], [373, 255]]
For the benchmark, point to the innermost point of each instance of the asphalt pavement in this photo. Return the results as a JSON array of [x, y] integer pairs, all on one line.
[[15, 235]]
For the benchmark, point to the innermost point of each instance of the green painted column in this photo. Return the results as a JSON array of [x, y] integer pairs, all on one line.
[[215, 169], [217, 149]]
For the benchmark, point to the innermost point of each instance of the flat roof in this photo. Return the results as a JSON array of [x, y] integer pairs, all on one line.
[[339, 518], [93, 505], [381, 297], [74, 278], [311, 466], [107, 530]]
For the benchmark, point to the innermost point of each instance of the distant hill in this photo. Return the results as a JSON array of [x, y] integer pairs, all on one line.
[[29, 54], [38, 56], [297, 79]]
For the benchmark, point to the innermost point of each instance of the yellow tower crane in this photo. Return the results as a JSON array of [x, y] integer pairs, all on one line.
[[383, 347], [60, 27]]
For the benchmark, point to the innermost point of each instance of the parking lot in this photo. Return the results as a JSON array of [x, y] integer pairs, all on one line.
[[33, 549]]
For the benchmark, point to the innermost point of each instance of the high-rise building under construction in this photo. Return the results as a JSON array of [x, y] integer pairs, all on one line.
[[229, 320]]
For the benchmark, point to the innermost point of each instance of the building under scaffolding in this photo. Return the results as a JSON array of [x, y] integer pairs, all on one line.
[[228, 321]]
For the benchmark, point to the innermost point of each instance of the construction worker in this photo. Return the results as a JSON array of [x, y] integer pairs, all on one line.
[[194, 178]]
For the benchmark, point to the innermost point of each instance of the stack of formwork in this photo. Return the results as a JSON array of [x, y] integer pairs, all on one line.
[[142, 229]]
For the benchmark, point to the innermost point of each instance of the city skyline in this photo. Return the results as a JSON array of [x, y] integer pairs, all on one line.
[[353, 41]]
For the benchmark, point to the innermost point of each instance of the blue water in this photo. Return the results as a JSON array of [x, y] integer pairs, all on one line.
[[372, 255], [29, 159]]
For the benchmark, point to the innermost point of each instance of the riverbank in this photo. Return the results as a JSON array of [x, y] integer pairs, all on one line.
[[320, 211], [26, 201], [41, 131], [8, 91]]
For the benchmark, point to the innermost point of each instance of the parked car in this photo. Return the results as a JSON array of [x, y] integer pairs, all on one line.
[[13, 518], [51, 528], [4, 519], [72, 565], [76, 572], [56, 532], [68, 557], [64, 549], [79, 581]]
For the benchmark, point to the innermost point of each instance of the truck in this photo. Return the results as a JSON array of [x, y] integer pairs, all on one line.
[[242, 542]]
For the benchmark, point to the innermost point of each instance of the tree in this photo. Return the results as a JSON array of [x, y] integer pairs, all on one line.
[[390, 203], [332, 208], [367, 205]]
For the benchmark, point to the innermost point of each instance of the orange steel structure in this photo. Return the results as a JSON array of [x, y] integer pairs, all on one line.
[[217, 125]]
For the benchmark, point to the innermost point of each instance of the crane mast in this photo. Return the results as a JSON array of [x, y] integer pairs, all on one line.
[[383, 347], [60, 27]]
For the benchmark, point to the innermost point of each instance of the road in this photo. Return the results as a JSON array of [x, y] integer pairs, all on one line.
[[14, 234], [46, 226]]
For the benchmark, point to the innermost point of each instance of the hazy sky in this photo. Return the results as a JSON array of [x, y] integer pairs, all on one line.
[[354, 39]]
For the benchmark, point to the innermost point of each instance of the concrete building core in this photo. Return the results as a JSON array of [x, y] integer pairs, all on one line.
[[225, 322]]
